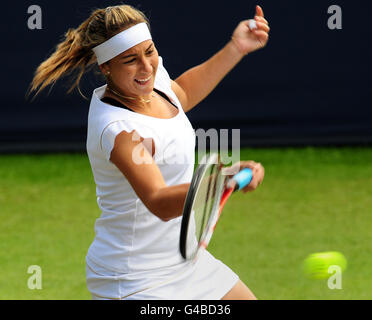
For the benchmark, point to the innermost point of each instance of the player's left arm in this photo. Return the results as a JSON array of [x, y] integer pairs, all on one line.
[[197, 83]]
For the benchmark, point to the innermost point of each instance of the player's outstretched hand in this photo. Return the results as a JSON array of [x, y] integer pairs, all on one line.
[[251, 35]]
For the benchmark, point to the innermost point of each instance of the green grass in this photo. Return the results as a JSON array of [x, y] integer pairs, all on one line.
[[48, 209], [311, 200]]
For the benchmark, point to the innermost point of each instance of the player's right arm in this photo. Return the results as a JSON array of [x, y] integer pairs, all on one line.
[[146, 179]]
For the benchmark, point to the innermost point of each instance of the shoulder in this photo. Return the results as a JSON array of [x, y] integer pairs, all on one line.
[[180, 93], [164, 81]]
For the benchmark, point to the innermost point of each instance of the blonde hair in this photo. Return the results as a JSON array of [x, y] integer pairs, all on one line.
[[75, 51]]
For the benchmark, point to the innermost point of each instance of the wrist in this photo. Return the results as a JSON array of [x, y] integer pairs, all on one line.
[[237, 47]]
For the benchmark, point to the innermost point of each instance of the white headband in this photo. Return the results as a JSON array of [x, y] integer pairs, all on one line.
[[122, 42]]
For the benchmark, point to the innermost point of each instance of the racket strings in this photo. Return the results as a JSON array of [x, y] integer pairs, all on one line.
[[209, 180], [202, 207]]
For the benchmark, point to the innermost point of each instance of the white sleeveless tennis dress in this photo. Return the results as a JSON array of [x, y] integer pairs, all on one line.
[[135, 255]]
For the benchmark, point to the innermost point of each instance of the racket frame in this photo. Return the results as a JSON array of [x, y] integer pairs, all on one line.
[[201, 170]]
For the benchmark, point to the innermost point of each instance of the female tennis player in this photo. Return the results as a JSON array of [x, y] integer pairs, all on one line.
[[137, 134]]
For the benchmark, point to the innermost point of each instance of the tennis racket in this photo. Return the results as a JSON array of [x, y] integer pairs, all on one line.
[[208, 193]]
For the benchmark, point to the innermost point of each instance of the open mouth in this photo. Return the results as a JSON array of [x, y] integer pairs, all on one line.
[[143, 82]]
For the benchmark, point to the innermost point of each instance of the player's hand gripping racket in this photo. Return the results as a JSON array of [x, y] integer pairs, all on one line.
[[207, 195]]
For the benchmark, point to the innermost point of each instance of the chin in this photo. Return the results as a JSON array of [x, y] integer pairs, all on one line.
[[146, 89]]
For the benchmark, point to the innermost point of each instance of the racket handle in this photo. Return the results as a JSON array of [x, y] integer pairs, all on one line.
[[243, 178]]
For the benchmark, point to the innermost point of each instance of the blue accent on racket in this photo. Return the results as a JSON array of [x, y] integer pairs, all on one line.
[[243, 178]]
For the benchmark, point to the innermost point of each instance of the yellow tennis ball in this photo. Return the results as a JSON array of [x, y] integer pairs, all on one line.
[[316, 265]]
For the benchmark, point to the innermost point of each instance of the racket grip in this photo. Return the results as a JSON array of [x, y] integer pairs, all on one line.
[[243, 178]]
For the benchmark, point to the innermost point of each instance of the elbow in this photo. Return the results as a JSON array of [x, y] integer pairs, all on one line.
[[165, 219], [160, 210], [162, 215], [165, 203]]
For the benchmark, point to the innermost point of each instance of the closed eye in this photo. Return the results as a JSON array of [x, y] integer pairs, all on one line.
[[147, 53], [129, 61]]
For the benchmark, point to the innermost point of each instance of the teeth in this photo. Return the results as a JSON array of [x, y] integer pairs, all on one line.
[[144, 79]]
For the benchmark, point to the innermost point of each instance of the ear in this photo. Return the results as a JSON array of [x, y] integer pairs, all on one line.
[[104, 67]]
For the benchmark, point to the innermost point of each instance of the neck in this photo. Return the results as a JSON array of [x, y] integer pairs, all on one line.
[[143, 101]]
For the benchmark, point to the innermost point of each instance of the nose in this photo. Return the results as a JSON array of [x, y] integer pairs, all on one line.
[[145, 65]]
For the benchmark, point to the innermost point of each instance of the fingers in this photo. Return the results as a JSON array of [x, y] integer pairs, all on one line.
[[259, 11], [257, 24], [240, 165], [230, 171], [262, 26], [261, 22], [249, 164], [262, 36], [236, 167], [258, 172], [261, 19]]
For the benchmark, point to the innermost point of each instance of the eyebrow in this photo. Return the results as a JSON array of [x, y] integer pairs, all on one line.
[[133, 55]]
